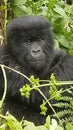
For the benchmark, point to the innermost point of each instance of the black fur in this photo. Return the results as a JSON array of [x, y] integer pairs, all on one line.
[[30, 50]]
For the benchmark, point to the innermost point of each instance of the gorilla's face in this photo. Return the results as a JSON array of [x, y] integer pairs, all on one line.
[[36, 57]]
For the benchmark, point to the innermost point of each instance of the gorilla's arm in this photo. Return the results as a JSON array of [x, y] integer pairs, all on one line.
[[62, 66]]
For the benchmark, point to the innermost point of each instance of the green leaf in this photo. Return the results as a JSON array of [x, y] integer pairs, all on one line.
[[30, 126], [12, 122], [70, 52], [60, 11], [55, 126], [47, 124], [69, 126], [2, 127], [17, 11], [21, 10], [63, 41], [51, 4], [5, 1], [19, 2], [27, 10], [41, 128]]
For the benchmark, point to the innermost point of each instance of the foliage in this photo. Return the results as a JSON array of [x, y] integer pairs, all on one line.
[[55, 94], [9, 122]]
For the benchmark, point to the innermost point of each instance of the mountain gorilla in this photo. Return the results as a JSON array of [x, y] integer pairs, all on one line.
[[30, 50]]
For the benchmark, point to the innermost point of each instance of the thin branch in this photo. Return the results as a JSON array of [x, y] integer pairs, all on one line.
[[5, 84]]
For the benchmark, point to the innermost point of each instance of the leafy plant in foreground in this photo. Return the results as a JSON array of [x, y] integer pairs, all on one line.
[[10, 123], [66, 106]]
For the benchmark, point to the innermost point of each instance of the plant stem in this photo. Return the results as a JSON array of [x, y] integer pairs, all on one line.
[[5, 84]]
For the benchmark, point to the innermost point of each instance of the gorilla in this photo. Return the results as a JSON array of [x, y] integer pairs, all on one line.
[[30, 50]]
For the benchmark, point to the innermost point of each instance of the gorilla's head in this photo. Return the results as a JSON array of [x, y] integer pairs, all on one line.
[[30, 40]]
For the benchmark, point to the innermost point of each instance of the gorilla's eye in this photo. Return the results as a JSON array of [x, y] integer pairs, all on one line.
[[29, 41], [40, 39]]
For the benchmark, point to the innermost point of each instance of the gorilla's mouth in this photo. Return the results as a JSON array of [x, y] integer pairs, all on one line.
[[37, 63]]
